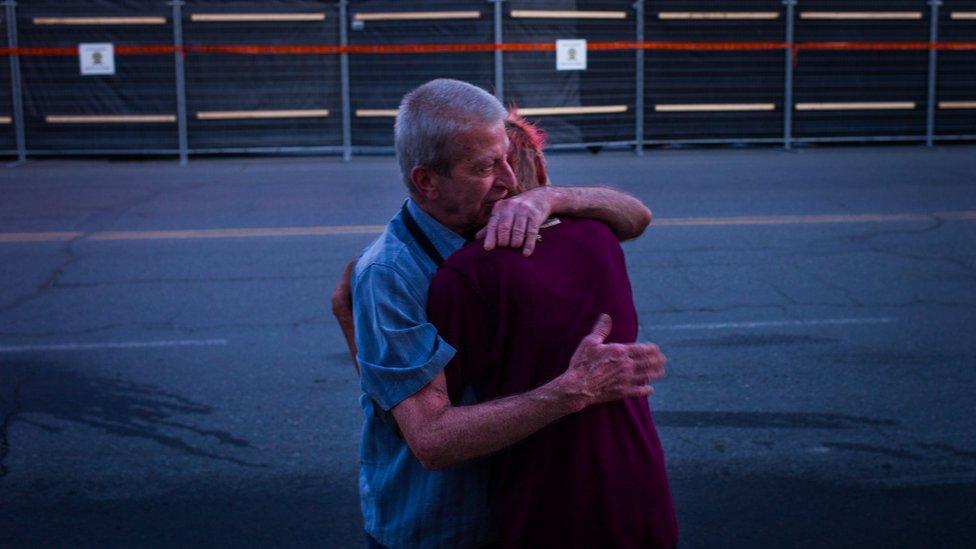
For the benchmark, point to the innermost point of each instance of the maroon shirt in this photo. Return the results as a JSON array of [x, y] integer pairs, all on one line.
[[592, 479]]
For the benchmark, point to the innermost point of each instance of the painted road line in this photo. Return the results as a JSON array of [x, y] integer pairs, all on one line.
[[113, 345], [193, 234], [771, 324], [237, 233], [39, 237], [809, 219], [333, 230]]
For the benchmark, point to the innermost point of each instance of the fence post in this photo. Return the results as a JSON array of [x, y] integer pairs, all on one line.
[[788, 83], [639, 82], [499, 65], [344, 80], [16, 88], [933, 67], [180, 79]]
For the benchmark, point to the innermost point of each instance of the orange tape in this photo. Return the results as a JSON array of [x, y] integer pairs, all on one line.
[[40, 52], [955, 46], [263, 50], [382, 49], [145, 50], [712, 46], [69, 51]]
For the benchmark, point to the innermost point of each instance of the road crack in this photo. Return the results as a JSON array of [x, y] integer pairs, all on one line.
[[52, 279], [8, 418]]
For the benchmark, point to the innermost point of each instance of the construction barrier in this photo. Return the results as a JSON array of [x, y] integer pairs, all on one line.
[[208, 76]]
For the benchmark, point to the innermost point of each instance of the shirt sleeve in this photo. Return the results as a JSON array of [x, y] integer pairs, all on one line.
[[461, 316], [399, 350]]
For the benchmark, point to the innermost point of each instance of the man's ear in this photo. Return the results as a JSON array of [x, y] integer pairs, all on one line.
[[423, 182]]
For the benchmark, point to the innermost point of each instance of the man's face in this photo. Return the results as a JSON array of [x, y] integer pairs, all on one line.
[[480, 177]]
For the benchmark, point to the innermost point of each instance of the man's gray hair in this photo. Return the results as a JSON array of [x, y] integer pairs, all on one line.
[[430, 119]]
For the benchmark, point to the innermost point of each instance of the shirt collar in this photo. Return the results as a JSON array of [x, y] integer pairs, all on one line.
[[445, 240]]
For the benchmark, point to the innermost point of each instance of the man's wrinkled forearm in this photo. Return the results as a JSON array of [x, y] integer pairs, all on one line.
[[626, 216], [441, 435], [454, 434]]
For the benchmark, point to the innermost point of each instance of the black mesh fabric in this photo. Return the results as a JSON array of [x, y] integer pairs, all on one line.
[[310, 81], [714, 77], [54, 86], [7, 138], [220, 82]]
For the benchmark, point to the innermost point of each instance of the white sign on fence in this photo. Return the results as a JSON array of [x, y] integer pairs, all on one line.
[[96, 58], [571, 55]]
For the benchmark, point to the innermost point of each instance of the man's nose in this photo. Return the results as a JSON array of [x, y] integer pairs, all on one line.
[[506, 177]]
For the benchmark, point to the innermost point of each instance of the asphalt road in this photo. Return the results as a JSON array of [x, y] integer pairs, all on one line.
[[190, 388]]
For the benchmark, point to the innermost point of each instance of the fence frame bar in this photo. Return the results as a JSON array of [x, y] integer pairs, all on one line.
[[788, 78], [499, 60], [344, 81], [933, 68], [180, 81], [639, 82], [16, 86]]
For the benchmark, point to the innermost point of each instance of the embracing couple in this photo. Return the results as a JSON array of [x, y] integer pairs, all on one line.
[[494, 329]]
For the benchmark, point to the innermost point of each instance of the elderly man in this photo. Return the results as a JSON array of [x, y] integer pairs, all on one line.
[[451, 147]]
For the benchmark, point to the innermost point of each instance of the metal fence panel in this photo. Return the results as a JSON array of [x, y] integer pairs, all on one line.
[[956, 84], [719, 93], [7, 136], [861, 93], [594, 105], [379, 81], [241, 100], [132, 110]]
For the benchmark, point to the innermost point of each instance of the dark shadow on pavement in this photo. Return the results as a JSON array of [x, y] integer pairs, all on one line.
[[302, 512], [713, 511], [783, 512], [47, 395]]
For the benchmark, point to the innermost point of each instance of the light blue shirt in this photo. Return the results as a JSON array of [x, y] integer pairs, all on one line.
[[403, 504]]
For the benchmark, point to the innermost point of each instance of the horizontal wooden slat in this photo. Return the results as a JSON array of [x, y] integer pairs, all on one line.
[[416, 15], [255, 115], [109, 118], [568, 14], [857, 106], [963, 15], [717, 15], [957, 104], [557, 111], [254, 17], [715, 107], [524, 111], [5, 120], [99, 20], [856, 15], [376, 113]]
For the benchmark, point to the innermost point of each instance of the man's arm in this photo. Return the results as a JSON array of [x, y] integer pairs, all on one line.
[[342, 310], [515, 221], [440, 434]]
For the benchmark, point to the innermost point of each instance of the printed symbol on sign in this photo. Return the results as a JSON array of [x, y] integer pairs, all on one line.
[[572, 54], [97, 57]]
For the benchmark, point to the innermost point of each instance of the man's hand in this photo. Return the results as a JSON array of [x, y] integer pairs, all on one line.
[[515, 221], [342, 310], [602, 372]]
